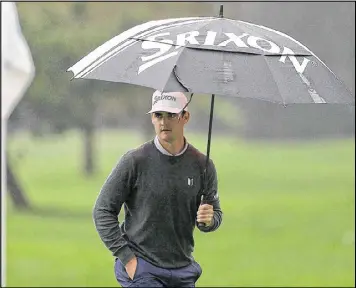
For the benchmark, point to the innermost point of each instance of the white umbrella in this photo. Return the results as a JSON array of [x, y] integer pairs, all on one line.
[[17, 72]]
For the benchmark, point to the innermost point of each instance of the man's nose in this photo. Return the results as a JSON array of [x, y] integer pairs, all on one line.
[[164, 119]]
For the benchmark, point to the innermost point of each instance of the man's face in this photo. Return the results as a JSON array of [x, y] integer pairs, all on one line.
[[169, 126]]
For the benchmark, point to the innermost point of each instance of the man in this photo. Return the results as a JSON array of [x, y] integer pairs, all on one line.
[[160, 185]]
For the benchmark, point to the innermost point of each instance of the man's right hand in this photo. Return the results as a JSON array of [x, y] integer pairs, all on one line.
[[131, 267]]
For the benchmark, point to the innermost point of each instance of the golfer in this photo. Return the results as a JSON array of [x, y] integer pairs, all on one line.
[[160, 185]]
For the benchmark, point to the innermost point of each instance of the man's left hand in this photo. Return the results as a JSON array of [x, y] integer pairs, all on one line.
[[205, 214]]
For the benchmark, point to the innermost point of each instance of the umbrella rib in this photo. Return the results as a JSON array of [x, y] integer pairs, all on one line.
[[179, 80], [277, 85], [174, 70]]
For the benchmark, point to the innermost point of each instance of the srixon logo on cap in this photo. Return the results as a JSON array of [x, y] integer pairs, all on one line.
[[163, 97], [244, 40]]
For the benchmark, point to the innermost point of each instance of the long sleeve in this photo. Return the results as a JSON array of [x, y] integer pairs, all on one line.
[[211, 197], [112, 196]]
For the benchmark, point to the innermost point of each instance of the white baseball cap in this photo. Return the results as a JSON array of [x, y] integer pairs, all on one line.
[[172, 102]]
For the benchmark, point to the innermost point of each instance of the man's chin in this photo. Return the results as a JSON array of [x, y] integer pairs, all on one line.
[[166, 136]]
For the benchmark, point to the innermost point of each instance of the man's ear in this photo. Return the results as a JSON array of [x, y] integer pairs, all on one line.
[[186, 116]]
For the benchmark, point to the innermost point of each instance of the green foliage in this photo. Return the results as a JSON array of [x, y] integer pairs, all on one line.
[[288, 214]]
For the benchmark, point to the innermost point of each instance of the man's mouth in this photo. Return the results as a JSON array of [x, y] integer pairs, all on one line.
[[166, 130]]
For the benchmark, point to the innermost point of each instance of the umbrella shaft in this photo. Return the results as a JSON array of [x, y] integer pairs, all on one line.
[[210, 127], [209, 137], [207, 152]]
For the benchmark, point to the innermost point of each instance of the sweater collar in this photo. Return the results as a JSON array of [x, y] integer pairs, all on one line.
[[165, 152]]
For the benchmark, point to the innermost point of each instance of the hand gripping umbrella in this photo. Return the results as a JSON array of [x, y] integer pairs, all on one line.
[[217, 56]]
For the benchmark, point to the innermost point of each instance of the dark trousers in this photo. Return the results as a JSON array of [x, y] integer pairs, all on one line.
[[148, 275]]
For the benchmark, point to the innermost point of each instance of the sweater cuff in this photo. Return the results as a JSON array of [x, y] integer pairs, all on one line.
[[124, 254]]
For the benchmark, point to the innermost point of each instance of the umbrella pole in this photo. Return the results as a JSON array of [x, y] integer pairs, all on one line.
[[209, 134], [205, 179]]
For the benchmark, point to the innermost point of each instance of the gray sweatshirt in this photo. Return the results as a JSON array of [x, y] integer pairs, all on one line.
[[161, 196]]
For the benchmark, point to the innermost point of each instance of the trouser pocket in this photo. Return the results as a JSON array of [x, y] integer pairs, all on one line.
[[187, 276], [121, 274]]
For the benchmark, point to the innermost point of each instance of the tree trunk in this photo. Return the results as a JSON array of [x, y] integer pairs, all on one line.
[[16, 192], [89, 158]]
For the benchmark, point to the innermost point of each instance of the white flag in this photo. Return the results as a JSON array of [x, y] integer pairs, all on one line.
[[17, 69], [17, 72]]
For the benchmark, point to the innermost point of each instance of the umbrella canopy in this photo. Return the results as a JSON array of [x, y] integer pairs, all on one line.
[[215, 55]]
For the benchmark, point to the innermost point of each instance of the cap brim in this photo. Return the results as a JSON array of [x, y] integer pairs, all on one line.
[[165, 109]]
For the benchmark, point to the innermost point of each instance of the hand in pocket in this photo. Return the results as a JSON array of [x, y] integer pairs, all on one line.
[[131, 267]]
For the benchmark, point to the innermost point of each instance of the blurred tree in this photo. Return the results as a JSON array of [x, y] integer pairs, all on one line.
[[16, 192], [58, 102]]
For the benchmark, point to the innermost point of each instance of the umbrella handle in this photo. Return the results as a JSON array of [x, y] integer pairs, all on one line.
[[200, 224]]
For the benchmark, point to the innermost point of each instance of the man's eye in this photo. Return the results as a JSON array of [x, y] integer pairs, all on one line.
[[158, 115], [172, 115]]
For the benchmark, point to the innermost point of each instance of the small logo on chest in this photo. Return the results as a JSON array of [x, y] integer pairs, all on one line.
[[190, 181]]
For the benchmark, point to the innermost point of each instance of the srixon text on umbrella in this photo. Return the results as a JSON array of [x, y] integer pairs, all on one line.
[[244, 40]]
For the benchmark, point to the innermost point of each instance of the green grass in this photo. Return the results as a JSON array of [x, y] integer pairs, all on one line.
[[288, 213]]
